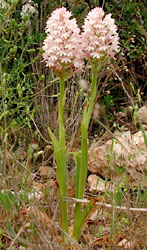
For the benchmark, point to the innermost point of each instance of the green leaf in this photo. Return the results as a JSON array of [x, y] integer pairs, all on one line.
[[145, 196], [118, 198], [107, 7], [12, 198], [109, 101], [4, 199], [77, 156], [80, 219], [144, 134], [31, 50], [4, 114], [60, 156], [84, 161], [10, 230], [1, 231], [19, 90], [119, 170], [54, 139]]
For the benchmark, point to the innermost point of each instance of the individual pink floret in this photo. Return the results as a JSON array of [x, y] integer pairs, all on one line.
[[100, 37], [63, 42]]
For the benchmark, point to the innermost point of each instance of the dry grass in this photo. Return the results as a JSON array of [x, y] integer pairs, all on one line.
[[36, 218]]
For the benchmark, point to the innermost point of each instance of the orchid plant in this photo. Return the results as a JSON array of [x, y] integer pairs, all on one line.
[[65, 49]]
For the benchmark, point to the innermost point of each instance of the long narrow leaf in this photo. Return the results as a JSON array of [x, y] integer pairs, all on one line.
[[84, 161], [77, 156], [4, 199], [60, 155], [78, 227], [10, 230], [12, 197], [81, 162], [144, 134], [60, 160], [54, 140]]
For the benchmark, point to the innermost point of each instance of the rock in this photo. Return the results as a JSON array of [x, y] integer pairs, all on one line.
[[96, 184], [126, 152], [45, 173], [142, 114]]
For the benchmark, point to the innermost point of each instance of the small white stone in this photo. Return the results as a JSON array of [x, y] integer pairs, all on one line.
[[96, 184]]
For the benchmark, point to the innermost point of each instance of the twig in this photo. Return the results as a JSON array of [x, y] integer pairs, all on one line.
[[38, 129], [89, 4], [17, 235], [85, 201], [119, 78], [70, 238]]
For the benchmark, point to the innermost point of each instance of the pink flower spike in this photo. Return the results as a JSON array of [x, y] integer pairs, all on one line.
[[100, 37], [62, 46]]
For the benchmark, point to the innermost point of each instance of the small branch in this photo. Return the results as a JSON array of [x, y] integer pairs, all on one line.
[[17, 235], [38, 129], [89, 4], [70, 238], [123, 86], [85, 201]]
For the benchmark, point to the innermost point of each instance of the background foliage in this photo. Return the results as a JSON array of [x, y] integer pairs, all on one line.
[[24, 78]]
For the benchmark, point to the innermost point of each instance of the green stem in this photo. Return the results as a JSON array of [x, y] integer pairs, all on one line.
[[84, 161], [79, 215], [84, 134], [61, 167], [93, 94], [61, 108]]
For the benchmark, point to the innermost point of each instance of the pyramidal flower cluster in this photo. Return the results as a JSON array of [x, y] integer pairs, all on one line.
[[100, 35], [62, 47], [65, 47]]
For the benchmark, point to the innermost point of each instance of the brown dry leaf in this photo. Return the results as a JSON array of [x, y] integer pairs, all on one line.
[[97, 215], [43, 218], [59, 239], [39, 215], [89, 237], [103, 240], [38, 186], [46, 173], [71, 229], [41, 186], [44, 179], [75, 247], [126, 244]]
